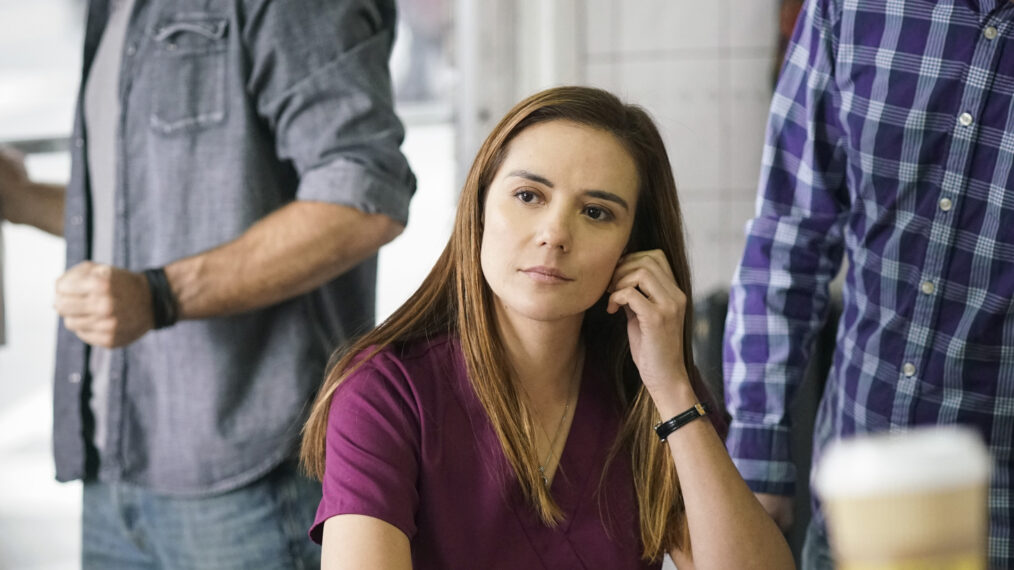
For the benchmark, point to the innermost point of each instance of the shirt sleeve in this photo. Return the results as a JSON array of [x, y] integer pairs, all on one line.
[[320, 80], [779, 295], [372, 449]]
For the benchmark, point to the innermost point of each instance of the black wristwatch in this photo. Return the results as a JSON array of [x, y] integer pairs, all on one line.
[[665, 429]]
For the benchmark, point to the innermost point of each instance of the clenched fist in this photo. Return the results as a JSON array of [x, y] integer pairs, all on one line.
[[104, 305]]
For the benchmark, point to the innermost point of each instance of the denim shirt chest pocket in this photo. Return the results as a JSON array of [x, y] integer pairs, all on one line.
[[189, 72]]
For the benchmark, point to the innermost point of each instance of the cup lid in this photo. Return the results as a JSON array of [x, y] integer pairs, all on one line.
[[918, 459]]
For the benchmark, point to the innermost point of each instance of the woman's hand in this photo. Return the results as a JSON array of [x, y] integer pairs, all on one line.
[[645, 287], [720, 508]]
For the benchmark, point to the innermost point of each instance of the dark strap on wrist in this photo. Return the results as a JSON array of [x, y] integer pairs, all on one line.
[[164, 307], [665, 429]]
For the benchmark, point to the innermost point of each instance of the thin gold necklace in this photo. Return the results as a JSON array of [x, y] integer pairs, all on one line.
[[552, 444], [559, 427]]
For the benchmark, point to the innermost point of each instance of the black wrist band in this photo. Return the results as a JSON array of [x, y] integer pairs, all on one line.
[[164, 307], [665, 429]]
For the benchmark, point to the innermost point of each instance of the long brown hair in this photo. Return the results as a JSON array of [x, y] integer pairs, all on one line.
[[454, 298]]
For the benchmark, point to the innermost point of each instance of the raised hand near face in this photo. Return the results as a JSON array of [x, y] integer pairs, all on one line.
[[644, 286], [104, 305], [13, 184]]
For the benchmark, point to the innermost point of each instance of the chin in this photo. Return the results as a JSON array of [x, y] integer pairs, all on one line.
[[545, 312]]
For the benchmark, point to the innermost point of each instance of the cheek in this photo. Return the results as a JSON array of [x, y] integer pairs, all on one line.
[[486, 255], [492, 252], [604, 266], [498, 237], [489, 238]]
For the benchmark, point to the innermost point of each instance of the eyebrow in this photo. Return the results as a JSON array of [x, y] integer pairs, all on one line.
[[600, 194], [531, 176]]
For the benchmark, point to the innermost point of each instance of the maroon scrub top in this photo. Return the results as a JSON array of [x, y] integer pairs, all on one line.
[[409, 443]]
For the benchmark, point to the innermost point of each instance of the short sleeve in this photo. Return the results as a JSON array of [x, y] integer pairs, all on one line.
[[373, 449]]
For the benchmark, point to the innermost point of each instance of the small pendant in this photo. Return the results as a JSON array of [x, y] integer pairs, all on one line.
[[542, 471]]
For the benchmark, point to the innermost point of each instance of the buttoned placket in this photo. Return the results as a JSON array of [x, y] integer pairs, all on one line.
[[942, 228], [115, 461]]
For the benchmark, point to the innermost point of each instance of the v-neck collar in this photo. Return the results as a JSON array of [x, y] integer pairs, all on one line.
[[584, 450], [582, 447], [583, 453], [578, 472]]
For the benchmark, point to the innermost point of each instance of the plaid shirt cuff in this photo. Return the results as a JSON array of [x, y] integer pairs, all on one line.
[[761, 453]]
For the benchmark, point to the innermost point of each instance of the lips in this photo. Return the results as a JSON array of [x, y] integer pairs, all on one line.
[[546, 274]]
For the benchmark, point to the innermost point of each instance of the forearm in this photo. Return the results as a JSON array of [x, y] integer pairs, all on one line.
[[294, 250], [41, 205], [775, 314], [359, 541], [728, 527]]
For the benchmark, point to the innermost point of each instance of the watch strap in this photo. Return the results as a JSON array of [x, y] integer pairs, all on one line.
[[666, 428]]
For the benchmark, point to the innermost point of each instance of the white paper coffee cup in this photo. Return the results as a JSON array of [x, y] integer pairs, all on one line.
[[909, 500]]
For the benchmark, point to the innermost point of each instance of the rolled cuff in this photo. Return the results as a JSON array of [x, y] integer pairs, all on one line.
[[761, 453], [357, 186]]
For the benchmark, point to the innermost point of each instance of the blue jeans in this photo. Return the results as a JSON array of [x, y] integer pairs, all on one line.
[[261, 525], [816, 550]]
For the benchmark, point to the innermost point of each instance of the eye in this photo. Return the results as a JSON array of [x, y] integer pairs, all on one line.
[[527, 196], [598, 214]]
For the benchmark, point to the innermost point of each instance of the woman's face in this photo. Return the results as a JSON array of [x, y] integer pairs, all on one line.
[[557, 217]]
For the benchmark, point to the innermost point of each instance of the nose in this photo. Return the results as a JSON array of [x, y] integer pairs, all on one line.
[[555, 231]]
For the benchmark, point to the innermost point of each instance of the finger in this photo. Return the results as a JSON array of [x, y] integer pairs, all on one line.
[[654, 260], [644, 254], [659, 288], [101, 339], [79, 306], [631, 299], [68, 282], [84, 278], [97, 332], [654, 257], [622, 271], [650, 281], [79, 325]]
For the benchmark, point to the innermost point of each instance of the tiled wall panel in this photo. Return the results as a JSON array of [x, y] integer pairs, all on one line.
[[704, 71]]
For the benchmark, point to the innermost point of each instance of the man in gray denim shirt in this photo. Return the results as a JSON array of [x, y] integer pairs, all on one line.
[[247, 152]]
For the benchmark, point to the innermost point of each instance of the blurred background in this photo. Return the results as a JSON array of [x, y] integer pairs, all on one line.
[[704, 70]]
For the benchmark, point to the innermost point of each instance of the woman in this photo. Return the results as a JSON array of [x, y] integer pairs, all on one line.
[[503, 416]]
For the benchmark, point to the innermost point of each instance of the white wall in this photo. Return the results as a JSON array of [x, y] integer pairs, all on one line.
[[703, 70]]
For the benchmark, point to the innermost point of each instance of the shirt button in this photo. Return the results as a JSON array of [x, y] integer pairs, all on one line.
[[76, 220], [74, 378], [990, 33], [131, 49], [928, 287], [79, 142], [909, 369], [965, 119], [945, 204]]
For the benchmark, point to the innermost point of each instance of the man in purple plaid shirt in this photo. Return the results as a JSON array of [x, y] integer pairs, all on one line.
[[891, 140]]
